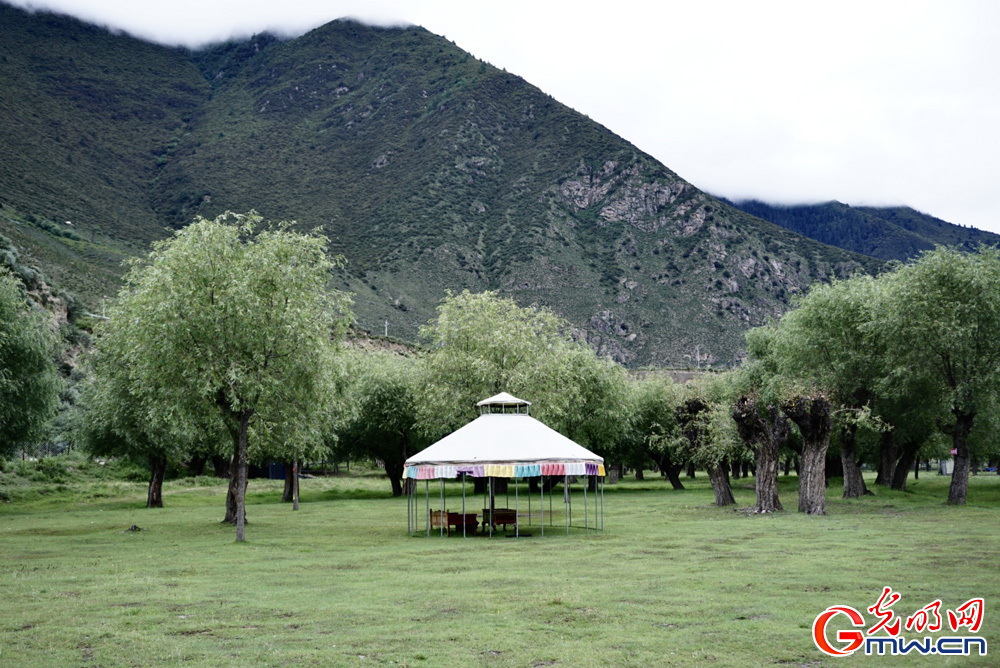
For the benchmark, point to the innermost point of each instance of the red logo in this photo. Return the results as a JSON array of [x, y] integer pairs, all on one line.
[[927, 619]]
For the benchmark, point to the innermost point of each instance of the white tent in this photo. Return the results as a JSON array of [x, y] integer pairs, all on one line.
[[503, 442]]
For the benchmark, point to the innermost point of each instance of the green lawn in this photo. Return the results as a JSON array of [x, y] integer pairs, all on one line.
[[672, 580]]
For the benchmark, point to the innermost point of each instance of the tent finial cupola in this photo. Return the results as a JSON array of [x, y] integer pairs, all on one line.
[[504, 403]]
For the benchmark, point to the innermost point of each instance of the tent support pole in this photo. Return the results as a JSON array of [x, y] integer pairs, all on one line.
[[463, 506], [443, 517], [596, 483], [586, 508], [427, 502], [541, 502], [517, 530], [602, 504], [567, 501], [529, 503], [550, 502], [409, 507], [491, 506]]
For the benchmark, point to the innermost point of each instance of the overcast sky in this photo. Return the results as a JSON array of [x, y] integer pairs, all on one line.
[[803, 101]]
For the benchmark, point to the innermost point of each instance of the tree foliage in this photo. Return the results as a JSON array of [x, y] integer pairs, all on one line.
[[381, 419], [482, 344], [232, 318], [943, 312], [29, 385]]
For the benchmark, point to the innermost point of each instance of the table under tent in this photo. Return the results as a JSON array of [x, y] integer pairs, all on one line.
[[504, 442]]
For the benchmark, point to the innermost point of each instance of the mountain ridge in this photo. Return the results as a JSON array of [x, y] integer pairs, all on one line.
[[429, 170], [888, 233]]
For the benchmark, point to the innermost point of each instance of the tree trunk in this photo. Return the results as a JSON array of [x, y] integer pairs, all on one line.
[[241, 461], [690, 470], [197, 465], [668, 469], [854, 482], [736, 470], [748, 470], [289, 491], [907, 457], [236, 495], [960, 474], [765, 436], [673, 475], [812, 416], [295, 483], [639, 474], [834, 468], [221, 466], [767, 482], [719, 476], [157, 469], [394, 469], [788, 466], [887, 459]]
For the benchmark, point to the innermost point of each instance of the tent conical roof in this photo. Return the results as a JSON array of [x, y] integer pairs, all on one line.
[[503, 445], [503, 399]]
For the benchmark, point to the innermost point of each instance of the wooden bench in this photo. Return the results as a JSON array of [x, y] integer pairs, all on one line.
[[439, 520], [469, 520], [502, 516], [442, 519]]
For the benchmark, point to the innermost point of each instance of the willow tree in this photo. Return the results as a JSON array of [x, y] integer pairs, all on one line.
[[653, 402], [705, 419], [944, 312], [29, 386], [832, 341], [118, 418], [381, 418], [482, 344], [759, 420], [233, 316]]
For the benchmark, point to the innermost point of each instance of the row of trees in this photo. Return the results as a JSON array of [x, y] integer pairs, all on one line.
[[227, 333], [909, 359]]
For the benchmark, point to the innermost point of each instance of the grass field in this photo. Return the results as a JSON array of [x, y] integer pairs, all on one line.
[[671, 581]]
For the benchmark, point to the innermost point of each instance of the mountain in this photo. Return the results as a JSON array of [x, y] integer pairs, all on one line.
[[888, 233], [429, 170]]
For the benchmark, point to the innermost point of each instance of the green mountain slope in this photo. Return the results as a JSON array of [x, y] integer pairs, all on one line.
[[429, 170], [888, 233]]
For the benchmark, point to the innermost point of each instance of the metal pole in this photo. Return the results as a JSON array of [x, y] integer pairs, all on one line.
[[517, 530], [596, 483], [586, 520], [443, 517], [409, 512], [569, 497], [463, 506], [427, 499], [491, 506], [550, 505], [541, 503], [529, 503], [602, 504]]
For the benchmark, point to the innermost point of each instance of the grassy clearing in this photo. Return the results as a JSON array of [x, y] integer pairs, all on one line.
[[672, 581]]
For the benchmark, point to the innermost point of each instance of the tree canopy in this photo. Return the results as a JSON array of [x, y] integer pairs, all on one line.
[[232, 318], [483, 344], [29, 384]]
